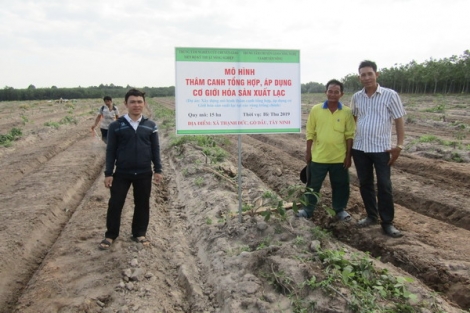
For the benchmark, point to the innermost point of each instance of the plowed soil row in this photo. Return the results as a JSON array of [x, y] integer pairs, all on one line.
[[432, 205], [433, 250], [202, 258]]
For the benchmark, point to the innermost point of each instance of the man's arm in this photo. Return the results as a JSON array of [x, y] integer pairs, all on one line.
[[400, 128], [349, 136], [310, 135], [155, 146], [97, 120], [111, 148], [308, 152], [347, 159], [395, 151]]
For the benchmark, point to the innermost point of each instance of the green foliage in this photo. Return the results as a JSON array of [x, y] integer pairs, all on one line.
[[165, 116], [25, 119], [66, 120], [215, 154], [52, 124], [238, 250], [264, 243], [459, 125], [460, 135], [92, 92], [431, 76], [367, 284], [199, 181], [427, 138], [208, 143], [299, 241], [208, 221], [298, 195], [278, 210], [312, 87], [320, 233], [7, 139], [456, 157], [437, 109]]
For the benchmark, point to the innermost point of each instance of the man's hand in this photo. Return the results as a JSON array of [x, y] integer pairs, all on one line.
[[108, 181], [347, 162], [394, 154], [157, 178]]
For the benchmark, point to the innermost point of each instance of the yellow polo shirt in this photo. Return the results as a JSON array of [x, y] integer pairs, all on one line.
[[329, 132]]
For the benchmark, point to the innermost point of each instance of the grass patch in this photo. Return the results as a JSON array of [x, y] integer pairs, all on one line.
[[7, 139], [427, 138], [440, 108], [52, 124], [208, 143], [369, 286], [66, 120]]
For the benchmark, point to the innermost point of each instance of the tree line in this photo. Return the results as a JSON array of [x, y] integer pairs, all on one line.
[[443, 76], [93, 92], [447, 75]]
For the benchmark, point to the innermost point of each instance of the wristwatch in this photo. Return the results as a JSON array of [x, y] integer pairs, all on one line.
[[400, 147]]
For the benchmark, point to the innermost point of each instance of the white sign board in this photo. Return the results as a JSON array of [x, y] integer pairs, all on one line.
[[237, 91]]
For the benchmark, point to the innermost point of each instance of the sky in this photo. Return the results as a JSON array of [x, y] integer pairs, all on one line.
[[71, 43]]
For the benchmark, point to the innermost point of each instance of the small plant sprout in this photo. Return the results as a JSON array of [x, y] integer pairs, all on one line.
[[299, 241], [199, 181]]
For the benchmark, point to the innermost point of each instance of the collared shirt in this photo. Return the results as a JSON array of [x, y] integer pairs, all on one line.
[[134, 124], [375, 117], [109, 116], [329, 132]]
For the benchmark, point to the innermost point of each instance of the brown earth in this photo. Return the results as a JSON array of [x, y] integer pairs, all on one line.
[[204, 257]]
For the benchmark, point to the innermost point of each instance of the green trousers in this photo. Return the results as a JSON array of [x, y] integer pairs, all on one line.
[[339, 179]]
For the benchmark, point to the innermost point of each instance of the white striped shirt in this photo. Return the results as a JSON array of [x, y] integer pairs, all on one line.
[[375, 117]]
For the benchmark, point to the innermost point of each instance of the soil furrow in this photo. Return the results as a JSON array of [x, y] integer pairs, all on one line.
[[33, 221], [254, 158], [418, 187]]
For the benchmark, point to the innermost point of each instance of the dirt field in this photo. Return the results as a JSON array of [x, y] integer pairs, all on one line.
[[204, 257]]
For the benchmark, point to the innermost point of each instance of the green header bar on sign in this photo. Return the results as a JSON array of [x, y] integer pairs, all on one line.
[[236, 55]]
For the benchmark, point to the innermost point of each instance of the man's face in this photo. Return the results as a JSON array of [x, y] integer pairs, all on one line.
[[368, 77], [108, 102], [333, 93], [135, 105]]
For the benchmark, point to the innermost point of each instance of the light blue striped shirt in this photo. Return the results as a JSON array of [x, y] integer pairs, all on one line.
[[375, 117]]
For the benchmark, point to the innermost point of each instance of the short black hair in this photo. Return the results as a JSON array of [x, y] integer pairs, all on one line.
[[107, 98], [368, 63], [335, 82], [134, 92]]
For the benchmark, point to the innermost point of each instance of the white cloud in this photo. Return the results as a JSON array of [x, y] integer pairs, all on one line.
[[70, 43]]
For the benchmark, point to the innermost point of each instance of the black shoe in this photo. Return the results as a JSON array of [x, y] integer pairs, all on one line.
[[391, 231], [366, 222]]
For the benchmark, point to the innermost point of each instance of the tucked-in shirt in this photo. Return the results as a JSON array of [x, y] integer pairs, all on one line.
[[109, 116], [375, 117], [329, 132], [134, 124]]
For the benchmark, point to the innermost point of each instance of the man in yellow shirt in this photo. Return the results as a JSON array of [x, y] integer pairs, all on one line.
[[329, 131]]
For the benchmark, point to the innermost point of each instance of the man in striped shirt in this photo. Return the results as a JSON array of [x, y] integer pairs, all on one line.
[[375, 108], [329, 131]]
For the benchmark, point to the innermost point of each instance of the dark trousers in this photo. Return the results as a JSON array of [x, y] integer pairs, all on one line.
[[380, 203], [339, 179], [104, 135], [142, 185]]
